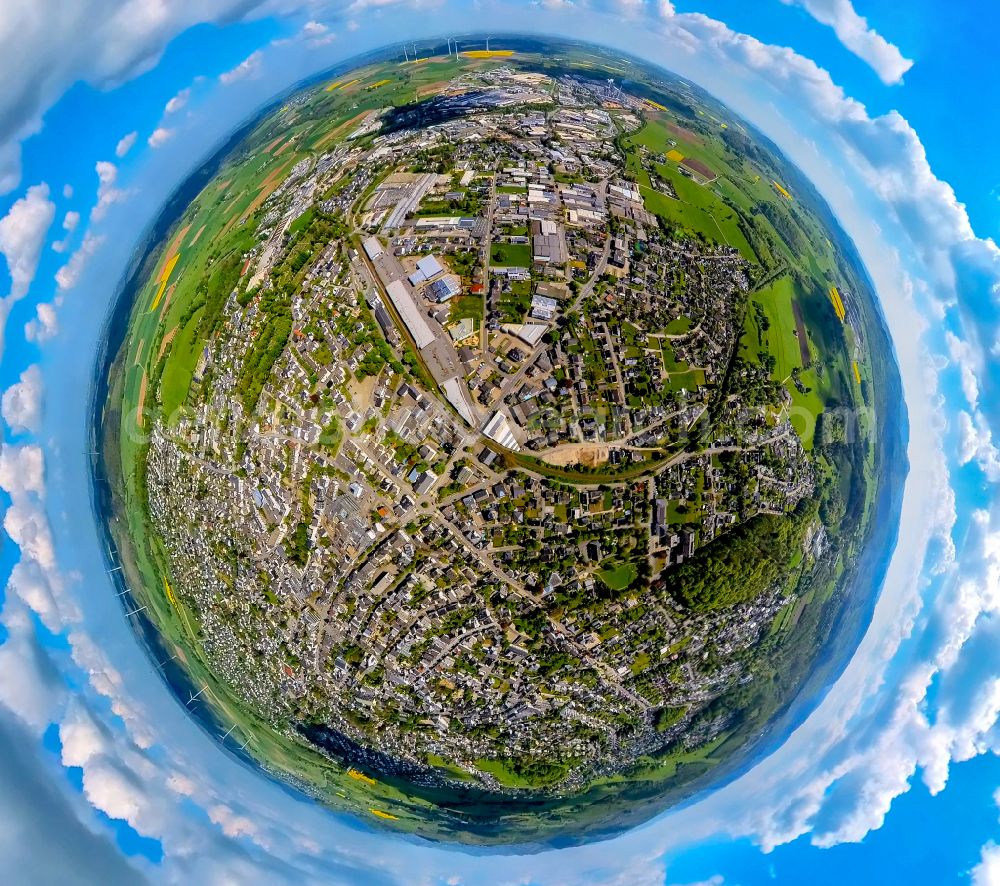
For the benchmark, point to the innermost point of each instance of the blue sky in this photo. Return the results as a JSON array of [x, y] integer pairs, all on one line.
[[892, 778]]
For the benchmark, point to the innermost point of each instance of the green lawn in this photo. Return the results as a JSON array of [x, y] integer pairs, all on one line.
[[183, 358], [780, 338], [618, 577], [463, 306], [690, 380], [510, 255], [505, 774]]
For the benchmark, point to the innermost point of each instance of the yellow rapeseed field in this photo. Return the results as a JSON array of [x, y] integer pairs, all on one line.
[[164, 279], [360, 776], [838, 304]]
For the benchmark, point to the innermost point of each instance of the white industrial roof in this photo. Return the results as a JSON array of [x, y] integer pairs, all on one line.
[[455, 391], [529, 333], [412, 317], [430, 267], [498, 430]]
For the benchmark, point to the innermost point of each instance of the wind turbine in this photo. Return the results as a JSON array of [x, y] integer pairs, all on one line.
[[405, 56], [123, 593], [231, 728], [487, 44], [137, 611], [116, 569], [195, 696]]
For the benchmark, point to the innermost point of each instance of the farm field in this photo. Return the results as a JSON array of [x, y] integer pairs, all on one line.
[[697, 208]]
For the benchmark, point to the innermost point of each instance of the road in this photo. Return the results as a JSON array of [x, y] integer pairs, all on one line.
[[600, 267]]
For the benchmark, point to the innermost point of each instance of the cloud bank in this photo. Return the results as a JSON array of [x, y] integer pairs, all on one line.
[[835, 778], [853, 31]]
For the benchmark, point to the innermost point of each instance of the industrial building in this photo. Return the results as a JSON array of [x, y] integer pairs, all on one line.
[[445, 287], [427, 269], [407, 309]]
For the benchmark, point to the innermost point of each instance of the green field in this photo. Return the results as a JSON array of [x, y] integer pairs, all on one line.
[[463, 306], [697, 209], [618, 576], [780, 339], [505, 255]]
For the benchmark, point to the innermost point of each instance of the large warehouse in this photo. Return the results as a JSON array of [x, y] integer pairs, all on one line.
[[407, 308]]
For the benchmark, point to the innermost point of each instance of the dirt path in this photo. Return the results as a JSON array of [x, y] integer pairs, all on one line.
[[172, 250], [166, 300], [588, 454], [169, 337], [142, 399]]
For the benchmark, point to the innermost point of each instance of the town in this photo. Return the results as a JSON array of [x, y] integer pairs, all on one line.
[[468, 411]]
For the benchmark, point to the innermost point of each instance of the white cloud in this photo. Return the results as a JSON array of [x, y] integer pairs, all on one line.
[[852, 30], [249, 67], [45, 324], [125, 144], [108, 192], [160, 136], [22, 470], [317, 34], [21, 404], [70, 222], [67, 190], [35, 578], [178, 101], [631, 8], [975, 442], [987, 872], [69, 274], [41, 591], [22, 235], [966, 358], [30, 685], [50, 46]]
